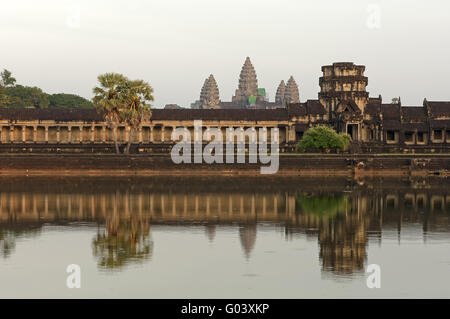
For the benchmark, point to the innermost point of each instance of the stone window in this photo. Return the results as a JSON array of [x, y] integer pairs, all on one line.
[[299, 135], [420, 137], [447, 136], [437, 134], [409, 137], [390, 136]]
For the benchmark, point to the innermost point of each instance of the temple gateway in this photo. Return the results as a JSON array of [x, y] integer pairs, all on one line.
[[343, 103]]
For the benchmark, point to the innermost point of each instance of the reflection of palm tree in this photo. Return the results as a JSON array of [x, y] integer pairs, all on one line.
[[8, 237], [123, 242], [7, 243]]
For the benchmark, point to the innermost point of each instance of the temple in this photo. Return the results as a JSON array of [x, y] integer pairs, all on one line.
[[248, 95], [343, 103]]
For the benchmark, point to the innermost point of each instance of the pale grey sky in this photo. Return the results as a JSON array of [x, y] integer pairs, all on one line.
[[62, 45]]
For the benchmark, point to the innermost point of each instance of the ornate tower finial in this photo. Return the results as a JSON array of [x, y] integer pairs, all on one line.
[[291, 94], [279, 97], [209, 95]]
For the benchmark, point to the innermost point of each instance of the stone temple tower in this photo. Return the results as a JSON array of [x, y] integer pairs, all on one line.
[[248, 84], [343, 86], [344, 96], [279, 97], [291, 94], [209, 95]]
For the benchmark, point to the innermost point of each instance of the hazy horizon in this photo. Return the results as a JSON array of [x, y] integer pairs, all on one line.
[[62, 46]]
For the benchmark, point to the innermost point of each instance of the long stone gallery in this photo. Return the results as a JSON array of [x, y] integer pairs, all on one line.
[[343, 103]]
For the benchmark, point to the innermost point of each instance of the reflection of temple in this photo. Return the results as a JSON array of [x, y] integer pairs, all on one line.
[[342, 223], [247, 234]]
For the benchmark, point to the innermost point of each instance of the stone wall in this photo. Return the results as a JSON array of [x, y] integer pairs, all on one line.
[[292, 165]]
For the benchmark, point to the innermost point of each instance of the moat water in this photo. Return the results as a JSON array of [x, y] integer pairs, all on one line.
[[224, 237]]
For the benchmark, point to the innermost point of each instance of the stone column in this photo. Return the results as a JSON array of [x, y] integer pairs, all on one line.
[[151, 134], [140, 134], [229, 140], [242, 135], [34, 134], [255, 135], [127, 133], [46, 134], [24, 131], [69, 134], [92, 133], [80, 128], [162, 133], [58, 140], [103, 134], [12, 138]]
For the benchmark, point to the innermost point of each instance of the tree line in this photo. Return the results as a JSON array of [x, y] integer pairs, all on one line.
[[14, 95]]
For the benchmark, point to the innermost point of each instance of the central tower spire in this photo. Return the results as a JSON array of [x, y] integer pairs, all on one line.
[[248, 83]]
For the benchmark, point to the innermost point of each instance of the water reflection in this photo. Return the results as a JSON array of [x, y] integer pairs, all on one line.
[[341, 216], [122, 241]]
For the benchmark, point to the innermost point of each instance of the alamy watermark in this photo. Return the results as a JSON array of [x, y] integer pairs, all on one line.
[[374, 18], [236, 140], [73, 18], [374, 278], [74, 279]]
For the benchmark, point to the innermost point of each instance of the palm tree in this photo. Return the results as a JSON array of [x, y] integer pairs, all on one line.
[[136, 94], [108, 99]]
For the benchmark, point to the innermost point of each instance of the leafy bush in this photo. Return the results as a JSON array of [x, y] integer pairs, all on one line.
[[323, 138]]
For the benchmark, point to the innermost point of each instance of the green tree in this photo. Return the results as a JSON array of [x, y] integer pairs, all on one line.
[[323, 138], [6, 79], [109, 100], [63, 100], [25, 96], [4, 99], [137, 94], [123, 100]]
